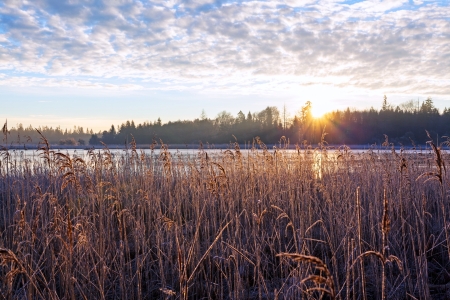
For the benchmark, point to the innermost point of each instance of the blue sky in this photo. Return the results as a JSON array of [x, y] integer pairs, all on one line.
[[94, 63]]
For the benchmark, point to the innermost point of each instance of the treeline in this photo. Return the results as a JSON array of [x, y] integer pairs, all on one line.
[[29, 135], [404, 124], [266, 124]]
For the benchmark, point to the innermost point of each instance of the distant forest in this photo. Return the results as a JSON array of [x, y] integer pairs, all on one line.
[[405, 124]]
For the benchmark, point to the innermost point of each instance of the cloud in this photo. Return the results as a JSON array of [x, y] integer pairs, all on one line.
[[378, 6], [29, 81], [244, 45]]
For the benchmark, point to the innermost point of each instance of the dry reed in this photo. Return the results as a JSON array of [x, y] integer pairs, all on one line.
[[220, 224]]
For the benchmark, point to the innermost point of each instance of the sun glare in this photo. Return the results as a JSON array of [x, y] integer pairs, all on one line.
[[317, 111]]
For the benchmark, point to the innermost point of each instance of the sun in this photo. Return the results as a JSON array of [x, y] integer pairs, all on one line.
[[317, 111]]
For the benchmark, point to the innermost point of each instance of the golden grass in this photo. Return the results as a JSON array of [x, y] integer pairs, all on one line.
[[232, 224]]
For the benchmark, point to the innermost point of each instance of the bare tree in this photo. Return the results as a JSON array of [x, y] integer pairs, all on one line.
[[285, 117], [408, 106]]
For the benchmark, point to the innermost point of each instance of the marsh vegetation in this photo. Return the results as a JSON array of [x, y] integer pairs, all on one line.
[[314, 223]]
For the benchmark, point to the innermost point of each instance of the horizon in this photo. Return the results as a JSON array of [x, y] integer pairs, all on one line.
[[97, 64]]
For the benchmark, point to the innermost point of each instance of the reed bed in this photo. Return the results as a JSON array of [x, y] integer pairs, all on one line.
[[309, 224]]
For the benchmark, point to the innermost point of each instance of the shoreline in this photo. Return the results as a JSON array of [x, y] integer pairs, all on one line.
[[207, 147]]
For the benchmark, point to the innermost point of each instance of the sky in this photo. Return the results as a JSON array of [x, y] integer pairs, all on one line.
[[94, 63]]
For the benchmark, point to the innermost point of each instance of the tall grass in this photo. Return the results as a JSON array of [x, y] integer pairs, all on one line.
[[231, 224]]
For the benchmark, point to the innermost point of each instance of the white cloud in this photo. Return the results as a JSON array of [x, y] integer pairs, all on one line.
[[297, 3], [372, 44], [27, 81], [377, 6]]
